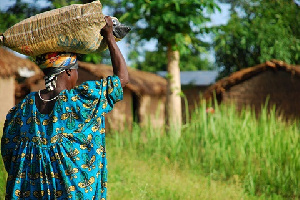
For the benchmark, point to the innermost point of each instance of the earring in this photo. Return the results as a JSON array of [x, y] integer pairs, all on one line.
[[68, 73]]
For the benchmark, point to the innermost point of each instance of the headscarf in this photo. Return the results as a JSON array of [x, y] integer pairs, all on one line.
[[53, 64]]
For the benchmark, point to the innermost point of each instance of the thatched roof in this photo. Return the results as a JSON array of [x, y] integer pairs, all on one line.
[[224, 84], [140, 82], [10, 64]]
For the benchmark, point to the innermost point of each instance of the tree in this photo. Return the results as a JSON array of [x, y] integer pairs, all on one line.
[[19, 11], [258, 30], [175, 24], [156, 61]]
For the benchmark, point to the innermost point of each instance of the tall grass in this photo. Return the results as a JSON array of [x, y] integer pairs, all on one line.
[[262, 154]]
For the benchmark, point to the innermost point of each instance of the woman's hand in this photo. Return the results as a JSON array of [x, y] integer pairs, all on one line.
[[107, 30]]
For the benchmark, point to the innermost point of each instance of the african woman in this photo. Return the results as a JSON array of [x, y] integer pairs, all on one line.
[[53, 143]]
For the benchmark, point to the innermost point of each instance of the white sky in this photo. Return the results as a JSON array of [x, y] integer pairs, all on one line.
[[217, 18]]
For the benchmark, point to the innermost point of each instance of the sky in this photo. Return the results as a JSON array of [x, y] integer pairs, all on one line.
[[217, 19]]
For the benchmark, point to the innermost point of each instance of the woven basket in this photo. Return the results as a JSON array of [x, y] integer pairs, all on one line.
[[75, 28]]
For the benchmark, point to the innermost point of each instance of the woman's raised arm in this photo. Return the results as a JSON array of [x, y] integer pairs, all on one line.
[[117, 59]]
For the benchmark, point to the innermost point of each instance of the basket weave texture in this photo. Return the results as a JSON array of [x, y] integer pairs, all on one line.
[[75, 28]]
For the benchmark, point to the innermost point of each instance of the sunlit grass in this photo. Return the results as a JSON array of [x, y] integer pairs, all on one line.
[[260, 154], [136, 178], [3, 174]]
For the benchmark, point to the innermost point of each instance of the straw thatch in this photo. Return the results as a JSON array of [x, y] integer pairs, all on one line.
[[140, 82], [10, 64], [226, 83]]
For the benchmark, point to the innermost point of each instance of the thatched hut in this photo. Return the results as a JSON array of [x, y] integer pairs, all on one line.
[[12, 68], [144, 96], [273, 81]]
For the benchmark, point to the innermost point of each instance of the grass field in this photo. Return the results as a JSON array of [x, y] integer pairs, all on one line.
[[224, 155], [261, 155], [132, 178]]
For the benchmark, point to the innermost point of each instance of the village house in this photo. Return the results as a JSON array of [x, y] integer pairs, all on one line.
[[12, 69], [274, 82]]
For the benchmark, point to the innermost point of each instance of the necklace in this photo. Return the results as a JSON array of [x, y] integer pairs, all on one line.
[[47, 100]]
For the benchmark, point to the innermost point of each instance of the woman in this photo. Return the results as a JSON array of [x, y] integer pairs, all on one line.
[[53, 143]]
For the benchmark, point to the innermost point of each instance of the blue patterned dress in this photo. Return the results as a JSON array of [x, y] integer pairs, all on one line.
[[60, 155]]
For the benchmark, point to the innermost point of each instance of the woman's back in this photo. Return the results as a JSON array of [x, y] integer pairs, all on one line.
[[60, 154]]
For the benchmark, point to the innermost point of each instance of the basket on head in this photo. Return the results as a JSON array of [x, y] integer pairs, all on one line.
[[75, 28]]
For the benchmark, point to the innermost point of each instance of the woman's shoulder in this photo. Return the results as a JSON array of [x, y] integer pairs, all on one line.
[[88, 84], [96, 83], [16, 112], [28, 99]]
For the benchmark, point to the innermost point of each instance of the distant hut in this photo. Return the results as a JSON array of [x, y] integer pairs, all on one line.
[[275, 81], [193, 85], [144, 96], [12, 68]]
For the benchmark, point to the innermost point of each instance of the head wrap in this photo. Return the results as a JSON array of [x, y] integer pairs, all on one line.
[[53, 64]]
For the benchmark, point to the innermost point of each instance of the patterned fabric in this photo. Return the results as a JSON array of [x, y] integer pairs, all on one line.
[[53, 64], [60, 155], [55, 60]]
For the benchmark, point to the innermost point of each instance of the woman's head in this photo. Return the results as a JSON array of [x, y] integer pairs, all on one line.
[[54, 64]]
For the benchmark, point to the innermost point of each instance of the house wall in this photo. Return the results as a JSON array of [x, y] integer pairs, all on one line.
[[152, 110], [282, 88], [192, 96], [84, 75], [7, 96], [40, 85], [121, 115]]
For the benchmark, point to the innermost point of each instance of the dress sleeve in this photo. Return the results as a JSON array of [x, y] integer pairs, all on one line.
[[101, 95], [10, 135]]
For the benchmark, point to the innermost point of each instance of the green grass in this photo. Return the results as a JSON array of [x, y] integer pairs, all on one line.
[[225, 155], [131, 177], [3, 174], [261, 155]]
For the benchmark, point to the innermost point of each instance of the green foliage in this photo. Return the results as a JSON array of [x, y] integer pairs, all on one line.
[[62, 3], [174, 22], [96, 57], [7, 20], [258, 31], [19, 11], [195, 61], [157, 61]]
